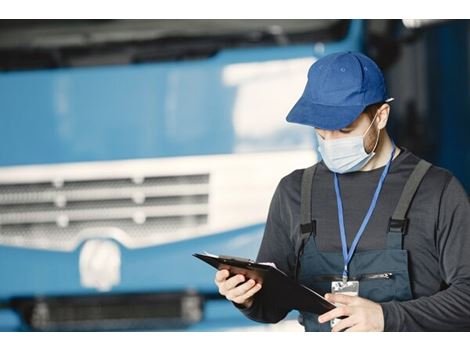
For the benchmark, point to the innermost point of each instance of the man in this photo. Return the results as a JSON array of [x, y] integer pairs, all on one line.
[[383, 229]]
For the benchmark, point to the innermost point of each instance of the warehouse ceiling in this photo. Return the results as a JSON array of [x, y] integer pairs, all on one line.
[[33, 44]]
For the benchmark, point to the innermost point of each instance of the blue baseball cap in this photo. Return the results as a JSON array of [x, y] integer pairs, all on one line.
[[339, 87]]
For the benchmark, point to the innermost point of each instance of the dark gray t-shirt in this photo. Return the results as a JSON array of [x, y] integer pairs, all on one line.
[[438, 239]]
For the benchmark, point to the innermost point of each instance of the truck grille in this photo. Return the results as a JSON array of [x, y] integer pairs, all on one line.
[[161, 311], [137, 211]]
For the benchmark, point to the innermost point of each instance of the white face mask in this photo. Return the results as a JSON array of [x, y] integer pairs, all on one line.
[[347, 154]]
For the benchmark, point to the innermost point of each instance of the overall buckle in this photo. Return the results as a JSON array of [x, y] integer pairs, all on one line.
[[310, 227], [398, 225]]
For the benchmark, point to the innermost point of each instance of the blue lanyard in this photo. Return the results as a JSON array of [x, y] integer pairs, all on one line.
[[348, 255]]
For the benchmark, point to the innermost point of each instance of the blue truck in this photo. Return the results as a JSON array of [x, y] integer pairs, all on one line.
[[127, 146]]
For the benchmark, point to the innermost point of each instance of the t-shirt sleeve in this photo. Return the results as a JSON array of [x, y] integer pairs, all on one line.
[[275, 247], [449, 309]]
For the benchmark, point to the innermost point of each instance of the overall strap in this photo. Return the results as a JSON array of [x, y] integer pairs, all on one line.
[[307, 224], [398, 223]]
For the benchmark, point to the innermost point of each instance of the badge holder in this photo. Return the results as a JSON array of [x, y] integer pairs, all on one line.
[[350, 288]]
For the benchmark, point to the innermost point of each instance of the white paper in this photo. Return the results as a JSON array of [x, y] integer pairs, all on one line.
[[210, 254], [269, 263]]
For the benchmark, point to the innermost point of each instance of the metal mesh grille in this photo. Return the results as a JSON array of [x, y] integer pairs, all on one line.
[[53, 215], [111, 312]]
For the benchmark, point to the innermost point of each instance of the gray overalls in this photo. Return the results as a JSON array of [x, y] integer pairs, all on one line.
[[383, 274]]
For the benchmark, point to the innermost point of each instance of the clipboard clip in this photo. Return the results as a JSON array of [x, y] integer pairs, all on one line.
[[238, 259]]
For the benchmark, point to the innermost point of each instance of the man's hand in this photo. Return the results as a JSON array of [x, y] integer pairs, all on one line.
[[234, 290], [362, 314]]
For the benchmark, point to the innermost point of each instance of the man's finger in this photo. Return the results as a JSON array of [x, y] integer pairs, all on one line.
[[242, 289], [355, 328], [233, 281], [339, 298], [335, 313], [344, 324], [221, 275], [248, 294]]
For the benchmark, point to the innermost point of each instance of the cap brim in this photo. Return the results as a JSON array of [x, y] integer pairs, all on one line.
[[325, 117]]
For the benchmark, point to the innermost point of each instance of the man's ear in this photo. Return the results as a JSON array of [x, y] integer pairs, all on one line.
[[382, 116]]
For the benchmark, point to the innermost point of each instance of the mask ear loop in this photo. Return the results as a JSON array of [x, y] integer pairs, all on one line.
[[368, 128], [378, 134]]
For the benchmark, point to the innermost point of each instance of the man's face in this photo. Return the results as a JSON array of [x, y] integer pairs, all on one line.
[[357, 128]]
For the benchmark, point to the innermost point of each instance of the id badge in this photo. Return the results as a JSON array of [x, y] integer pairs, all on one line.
[[350, 288]]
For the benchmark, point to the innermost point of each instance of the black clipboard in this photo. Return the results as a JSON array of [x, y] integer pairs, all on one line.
[[278, 289]]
